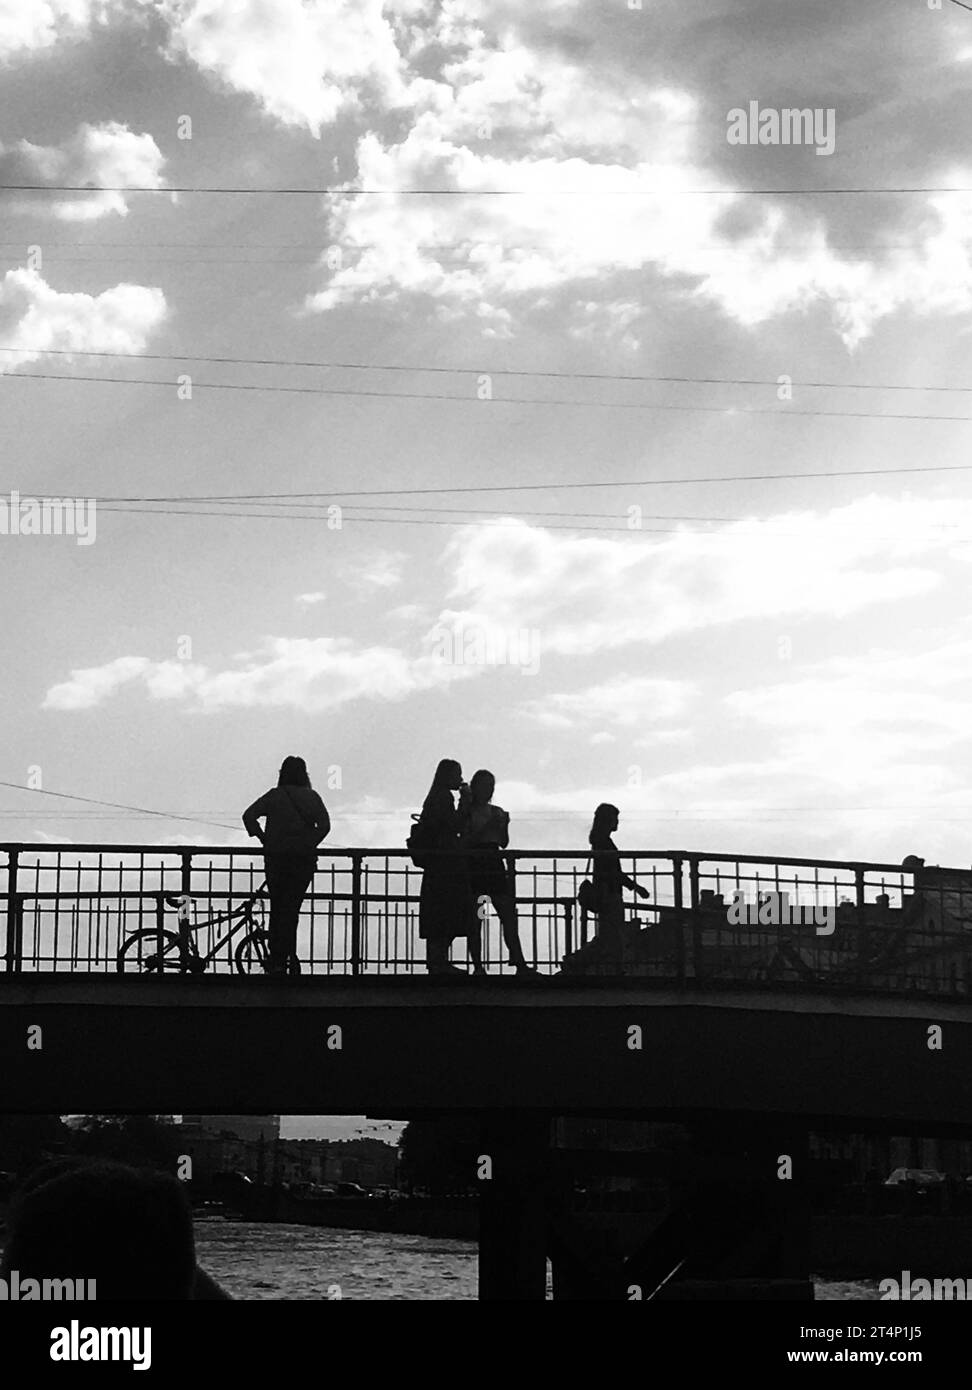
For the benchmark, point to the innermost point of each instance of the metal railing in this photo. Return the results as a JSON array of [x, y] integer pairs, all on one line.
[[71, 908]]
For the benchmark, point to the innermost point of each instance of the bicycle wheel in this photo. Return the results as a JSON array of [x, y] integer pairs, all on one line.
[[253, 955], [150, 950]]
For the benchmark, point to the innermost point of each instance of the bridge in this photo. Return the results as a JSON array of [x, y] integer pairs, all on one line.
[[124, 988]]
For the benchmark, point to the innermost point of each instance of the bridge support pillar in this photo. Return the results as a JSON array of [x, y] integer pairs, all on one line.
[[753, 1175], [512, 1166], [739, 1215]]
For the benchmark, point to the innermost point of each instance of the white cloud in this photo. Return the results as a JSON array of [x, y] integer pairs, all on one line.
[[854, 721], [304, 61], [31, 25], [622, 702], [503, 111], [308, 600], [374, 570], [34, 318], [579, 224], [584, 594], [105, 157], [287, 673], [508, 116], [90, 687]]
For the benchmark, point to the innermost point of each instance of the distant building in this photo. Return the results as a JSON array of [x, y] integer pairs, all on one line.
[[252, 1128], [898, 940], [251, 1145]]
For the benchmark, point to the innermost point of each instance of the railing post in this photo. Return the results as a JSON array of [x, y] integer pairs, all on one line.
[[185, 880], [696, 916], [679, 916], [186, 875], [861, 927], [511, 884], [15, 922], [356, 912]]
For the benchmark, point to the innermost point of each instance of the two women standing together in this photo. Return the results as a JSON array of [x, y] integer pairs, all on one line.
[[465, 870]]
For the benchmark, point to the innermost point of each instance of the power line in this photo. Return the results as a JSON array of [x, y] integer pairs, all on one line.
[[349, 392], [501, 513], [525, 813], [498, 523], [78, 815], [321, 246], [310, 511], [562, 486], [592, 193], [117, 805], [461, 258], [405, 367], [585, 516], [372, 520]]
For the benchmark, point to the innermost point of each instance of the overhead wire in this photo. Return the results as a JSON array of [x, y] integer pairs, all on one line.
[[117, 805], [478, 371]]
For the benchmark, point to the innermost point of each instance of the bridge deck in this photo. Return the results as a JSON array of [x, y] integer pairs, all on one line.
[[408, 1046]]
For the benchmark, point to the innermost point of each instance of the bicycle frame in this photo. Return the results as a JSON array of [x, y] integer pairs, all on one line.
[[188, 946]]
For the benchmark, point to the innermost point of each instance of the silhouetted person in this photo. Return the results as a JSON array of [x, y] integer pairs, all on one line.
[[296, 823], [129, 1229], [609, 882], [487, 832], [446, 908]]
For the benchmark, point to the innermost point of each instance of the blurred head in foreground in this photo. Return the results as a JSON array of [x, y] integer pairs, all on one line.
[[128, 1228]]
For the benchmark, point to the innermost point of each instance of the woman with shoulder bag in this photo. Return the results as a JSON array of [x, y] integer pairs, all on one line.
[[296, 823], [605, 896], [445, 902]]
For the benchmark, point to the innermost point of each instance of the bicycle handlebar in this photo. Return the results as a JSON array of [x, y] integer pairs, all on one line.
[[175, 900]]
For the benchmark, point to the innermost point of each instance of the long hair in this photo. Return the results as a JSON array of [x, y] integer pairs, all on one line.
[[293, 773], [480, 777], [598, 826], [447, 771]]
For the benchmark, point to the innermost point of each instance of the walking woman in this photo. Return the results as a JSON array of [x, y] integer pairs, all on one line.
[[446, 909], [487, 832], [296, 823], [610, 882]]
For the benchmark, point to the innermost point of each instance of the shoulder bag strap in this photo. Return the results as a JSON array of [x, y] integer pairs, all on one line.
[[311, 824]]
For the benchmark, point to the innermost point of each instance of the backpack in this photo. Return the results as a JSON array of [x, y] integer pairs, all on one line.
[[421, 842]]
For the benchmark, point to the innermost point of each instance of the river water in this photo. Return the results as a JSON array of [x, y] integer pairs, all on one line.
[[271, 1261]]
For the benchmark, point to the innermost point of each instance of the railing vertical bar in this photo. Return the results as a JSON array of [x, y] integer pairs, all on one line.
[[861, 928], [185, 889], [14, 943], [679, 916], [356, 913], [693, 862]]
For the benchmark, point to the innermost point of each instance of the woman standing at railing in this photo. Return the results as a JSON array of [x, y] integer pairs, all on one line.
[[296, 823], [446, 907], [486, 833], [610, 882]]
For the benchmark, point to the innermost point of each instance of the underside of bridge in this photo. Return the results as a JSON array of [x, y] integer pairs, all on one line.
[[736, 1224], [750, 1074]]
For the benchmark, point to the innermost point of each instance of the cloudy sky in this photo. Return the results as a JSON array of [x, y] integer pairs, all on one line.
[[560, 372]]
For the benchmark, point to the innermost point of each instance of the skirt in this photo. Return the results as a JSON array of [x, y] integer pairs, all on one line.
[[446, 906]]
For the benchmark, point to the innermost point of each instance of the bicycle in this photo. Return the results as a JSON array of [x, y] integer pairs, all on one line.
[[177, 951]]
